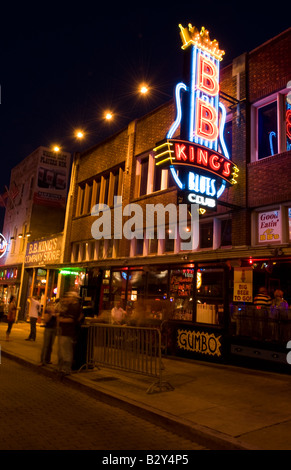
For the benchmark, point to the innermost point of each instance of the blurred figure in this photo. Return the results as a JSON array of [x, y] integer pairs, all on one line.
[[278, 301], [50, 331], [69, 319], [11, 315], [262, 298], [34, 313], [117, 314], [1, 309]]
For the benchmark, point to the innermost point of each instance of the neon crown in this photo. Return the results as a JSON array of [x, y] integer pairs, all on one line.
[[191, 35]]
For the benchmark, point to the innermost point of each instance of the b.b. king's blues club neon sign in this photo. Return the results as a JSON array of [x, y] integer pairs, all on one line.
[[199, 161]]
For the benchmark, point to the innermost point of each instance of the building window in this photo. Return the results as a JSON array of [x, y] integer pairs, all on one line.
[[228, 137], [169, 242], [271, 126], [226, 232], [157, 178], [267, 130], [139, 246], [144, 167], [100, 190], [206, 235]]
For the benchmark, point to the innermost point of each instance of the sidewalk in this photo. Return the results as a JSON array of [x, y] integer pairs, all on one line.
[[224, 407]]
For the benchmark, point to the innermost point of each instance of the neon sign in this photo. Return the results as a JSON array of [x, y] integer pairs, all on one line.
[[199, 162], [3, 245]]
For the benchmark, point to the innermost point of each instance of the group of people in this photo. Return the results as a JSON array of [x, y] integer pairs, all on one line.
[[265, 300], [62, 317]]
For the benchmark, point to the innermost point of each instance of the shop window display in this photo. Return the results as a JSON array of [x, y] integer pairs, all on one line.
[[210, 296], [181, 293]]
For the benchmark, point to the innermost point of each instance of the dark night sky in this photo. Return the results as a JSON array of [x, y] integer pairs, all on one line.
[[62, 64]]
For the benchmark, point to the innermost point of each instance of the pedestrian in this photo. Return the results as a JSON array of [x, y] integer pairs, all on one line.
[[117, 314], [50, 331], [278, 300], [11, 315], [1, 309], [262, 298], [34, 315], [69, 318]]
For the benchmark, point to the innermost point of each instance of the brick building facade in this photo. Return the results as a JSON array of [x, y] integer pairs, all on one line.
[[207, 311]]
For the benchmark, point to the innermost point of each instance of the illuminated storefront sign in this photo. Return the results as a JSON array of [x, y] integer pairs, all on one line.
[[269, 226], [44, 251], [199, 342], [199, 162], [3, 245]]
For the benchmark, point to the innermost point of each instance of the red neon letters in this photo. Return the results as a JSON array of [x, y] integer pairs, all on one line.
[[206, 120], [196, 156], [207, 76], [206, 115]]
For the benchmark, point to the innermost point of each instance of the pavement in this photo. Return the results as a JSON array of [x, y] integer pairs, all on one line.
[[222, 406]]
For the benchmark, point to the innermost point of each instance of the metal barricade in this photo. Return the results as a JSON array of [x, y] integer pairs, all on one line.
[[128, 348]]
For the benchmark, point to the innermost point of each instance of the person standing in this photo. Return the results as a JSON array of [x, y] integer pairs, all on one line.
[[11, 316], [50, 331], [262, 298], [278, 300], [34, 313], [117, 314], [70, 315]]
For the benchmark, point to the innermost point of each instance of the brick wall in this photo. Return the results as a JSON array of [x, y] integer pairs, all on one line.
[[269, 66], [269, 180]]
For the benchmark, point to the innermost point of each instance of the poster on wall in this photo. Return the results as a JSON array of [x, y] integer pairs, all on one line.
[[52, 178], [269, 226], [243, 285]]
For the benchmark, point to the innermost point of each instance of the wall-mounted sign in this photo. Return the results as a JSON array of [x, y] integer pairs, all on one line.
[[52, 179], [199, 342], [199, 162], [269, 226], [44, 251], [243, 285], [3, 245]]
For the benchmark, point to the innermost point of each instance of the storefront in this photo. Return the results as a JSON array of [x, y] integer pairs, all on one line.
[[42, 266], [198, 149], [9, 283]]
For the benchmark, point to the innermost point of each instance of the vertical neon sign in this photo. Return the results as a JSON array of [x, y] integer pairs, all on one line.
[[201, 118]]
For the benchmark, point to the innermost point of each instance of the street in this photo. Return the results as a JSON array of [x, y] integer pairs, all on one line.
[[40, 413]]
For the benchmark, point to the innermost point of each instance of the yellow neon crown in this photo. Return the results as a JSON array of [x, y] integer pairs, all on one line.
[[191, 35]]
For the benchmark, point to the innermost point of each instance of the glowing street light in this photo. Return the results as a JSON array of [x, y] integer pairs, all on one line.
[[143, 89], [56, 148], [79, 134], [108, 115]]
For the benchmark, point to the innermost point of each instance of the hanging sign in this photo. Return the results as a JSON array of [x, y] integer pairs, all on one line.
[[3, 245], [199, 162], [243, 285]]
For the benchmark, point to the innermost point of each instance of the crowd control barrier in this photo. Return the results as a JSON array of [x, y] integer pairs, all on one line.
[[128, 348]]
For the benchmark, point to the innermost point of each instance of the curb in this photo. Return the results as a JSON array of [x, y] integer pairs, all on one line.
[[200, 434]]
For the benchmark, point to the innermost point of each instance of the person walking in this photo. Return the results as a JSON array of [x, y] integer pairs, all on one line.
[[34, 313], [1, 309], [11, 316], [70, 315], [50, 331]]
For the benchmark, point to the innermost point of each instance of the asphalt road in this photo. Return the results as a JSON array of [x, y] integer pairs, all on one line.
[[41, 413]]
